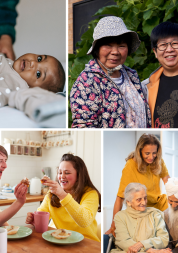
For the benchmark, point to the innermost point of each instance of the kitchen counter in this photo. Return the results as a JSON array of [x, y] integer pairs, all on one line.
[[29, 198]]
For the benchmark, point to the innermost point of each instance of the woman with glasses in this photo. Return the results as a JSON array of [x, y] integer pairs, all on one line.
[[163, 83]]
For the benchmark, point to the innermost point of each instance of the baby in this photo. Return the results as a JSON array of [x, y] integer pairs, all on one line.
[[28, 71]]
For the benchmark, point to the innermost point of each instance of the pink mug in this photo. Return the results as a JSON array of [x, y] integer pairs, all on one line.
[[41, 220]]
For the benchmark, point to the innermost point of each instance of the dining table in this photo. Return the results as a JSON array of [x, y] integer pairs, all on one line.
[[35, 243]]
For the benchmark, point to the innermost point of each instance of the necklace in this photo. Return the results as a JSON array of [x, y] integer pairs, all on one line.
[[111, 71]]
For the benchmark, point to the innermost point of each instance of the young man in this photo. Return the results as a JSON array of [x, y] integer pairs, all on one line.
[[162, 84], [171, 214], [20, 192]]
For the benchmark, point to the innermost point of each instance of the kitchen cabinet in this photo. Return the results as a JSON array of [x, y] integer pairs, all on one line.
[[19, 218]]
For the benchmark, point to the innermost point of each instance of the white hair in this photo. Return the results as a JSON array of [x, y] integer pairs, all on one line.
[[173, 215], [131, 189]]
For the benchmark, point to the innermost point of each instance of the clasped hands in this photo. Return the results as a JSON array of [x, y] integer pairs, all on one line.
[[137, 246]]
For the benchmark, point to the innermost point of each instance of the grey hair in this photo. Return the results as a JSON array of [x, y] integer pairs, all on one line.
[[131, 189]]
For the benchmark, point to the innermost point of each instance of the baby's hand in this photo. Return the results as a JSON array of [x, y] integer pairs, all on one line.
[[29, 218]]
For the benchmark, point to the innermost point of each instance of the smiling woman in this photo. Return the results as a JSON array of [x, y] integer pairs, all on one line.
[[107, 94], [73, 200], [131, 235], [145, 165], [162, 83]]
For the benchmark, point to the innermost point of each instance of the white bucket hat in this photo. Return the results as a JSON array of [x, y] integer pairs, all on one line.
[[113, 26]]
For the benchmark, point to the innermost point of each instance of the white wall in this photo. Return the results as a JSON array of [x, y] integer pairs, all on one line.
[[117, 146], [19, 167], [41, 28], [86, 144]]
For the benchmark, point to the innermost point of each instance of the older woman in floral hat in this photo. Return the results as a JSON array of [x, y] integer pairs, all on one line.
[[108, 94]]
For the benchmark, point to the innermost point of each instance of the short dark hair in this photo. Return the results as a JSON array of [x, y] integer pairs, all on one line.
[[163, 30], [3, 150], [59, 80], [124, 38]]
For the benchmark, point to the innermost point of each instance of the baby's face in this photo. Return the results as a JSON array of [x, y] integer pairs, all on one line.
[[36, 70]]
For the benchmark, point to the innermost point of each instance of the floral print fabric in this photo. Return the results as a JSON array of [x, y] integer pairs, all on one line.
[[96, 101]]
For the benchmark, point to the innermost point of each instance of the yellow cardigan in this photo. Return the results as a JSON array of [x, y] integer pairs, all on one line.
[[130, 174], [74, 216]]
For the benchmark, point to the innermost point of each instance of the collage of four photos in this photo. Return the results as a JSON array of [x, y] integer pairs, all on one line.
[[82, 166]]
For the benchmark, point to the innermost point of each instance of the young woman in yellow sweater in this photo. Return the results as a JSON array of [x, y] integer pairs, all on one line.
[[73, 200], [146, 166]]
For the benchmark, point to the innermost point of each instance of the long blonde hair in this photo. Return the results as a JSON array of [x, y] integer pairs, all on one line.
[[147, 139]]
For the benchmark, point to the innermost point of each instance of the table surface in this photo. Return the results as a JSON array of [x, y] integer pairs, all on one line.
[[29, 198], [34, 243]]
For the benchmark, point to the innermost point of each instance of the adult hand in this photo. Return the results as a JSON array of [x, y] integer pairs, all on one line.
[[29, 218], [55, 188], [135, 248], [20, 193], [151, 250], [6, 46], [111, 231]]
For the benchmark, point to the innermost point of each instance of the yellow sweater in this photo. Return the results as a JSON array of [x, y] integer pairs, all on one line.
[[130, 174], [74, 216]]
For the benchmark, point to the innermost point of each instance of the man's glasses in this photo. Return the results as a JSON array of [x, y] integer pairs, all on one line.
[[163, 46]]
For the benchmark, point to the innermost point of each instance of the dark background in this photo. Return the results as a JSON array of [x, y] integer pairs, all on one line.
[[82, 14]]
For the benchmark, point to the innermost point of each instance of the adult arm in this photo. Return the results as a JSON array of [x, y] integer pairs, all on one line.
[[117, 207], [127, 177], [161, 239], [123, 239], [83, 213], [85, 102], [8, 16], [164, 172], [20, 193], [165, 179]]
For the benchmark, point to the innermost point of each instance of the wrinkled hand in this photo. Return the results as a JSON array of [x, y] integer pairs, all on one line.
[[29, 218], [167, 250], [135, 248], [20, 193], [111, 231], [55, 188], [6, 46]]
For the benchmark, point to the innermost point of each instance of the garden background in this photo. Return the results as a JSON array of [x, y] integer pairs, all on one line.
[[140, 16]]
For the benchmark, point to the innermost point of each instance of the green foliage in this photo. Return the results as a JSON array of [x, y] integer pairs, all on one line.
[[140, 16]]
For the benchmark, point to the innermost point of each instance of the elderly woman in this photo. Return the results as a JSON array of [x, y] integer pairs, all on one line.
[[144, 165], [139, 228], [108, 94]]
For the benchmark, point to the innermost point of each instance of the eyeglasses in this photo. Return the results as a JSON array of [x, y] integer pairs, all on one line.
[[163, 46]]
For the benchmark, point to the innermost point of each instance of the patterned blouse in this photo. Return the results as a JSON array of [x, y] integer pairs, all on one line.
[[96, 101]]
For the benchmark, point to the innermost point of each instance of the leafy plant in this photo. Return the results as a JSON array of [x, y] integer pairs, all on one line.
[[140, 16]]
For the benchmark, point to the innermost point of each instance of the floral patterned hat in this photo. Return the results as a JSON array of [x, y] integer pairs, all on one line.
[[113, 26]]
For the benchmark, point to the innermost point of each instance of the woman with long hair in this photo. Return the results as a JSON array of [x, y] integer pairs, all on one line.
[[72, 200], [146, 166]]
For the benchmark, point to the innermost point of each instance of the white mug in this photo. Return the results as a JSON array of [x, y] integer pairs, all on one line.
[[3, 240]]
